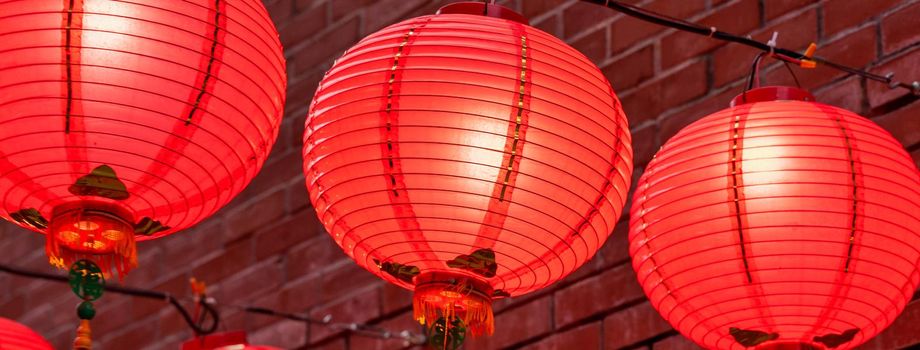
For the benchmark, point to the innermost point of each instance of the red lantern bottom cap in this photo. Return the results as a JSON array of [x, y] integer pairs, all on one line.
[[789, 346], [98, 232], [450, 296]]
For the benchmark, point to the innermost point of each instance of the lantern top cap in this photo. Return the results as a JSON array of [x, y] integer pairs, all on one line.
[[476, 8], [773, 93]]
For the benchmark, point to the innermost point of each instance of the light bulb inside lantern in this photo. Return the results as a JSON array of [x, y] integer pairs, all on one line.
[[86, 225]]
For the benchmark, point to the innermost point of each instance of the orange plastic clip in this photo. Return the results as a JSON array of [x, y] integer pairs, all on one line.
[[807, 62], [198, 287]]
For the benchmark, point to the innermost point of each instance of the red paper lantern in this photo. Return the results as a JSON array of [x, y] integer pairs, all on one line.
[[778, 223], [223, 341], [467, 158], [15, 336], [124, 119]]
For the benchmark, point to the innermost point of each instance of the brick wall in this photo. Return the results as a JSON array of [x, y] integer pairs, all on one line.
[[267, 249]]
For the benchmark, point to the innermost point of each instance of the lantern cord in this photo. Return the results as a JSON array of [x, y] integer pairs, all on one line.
[[782, 53], [209, 306], [141, 293], [754, 79]]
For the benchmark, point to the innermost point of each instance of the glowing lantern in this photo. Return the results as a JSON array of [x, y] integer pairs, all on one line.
[[124, 121], [223, 341], [15, 336], [778, 223], [467, 158]]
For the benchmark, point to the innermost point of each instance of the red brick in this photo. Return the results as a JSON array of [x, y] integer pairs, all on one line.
[[847, 94], [313, 256], [677, 342], [286, 334], [739, 18], [187, 247], [905, 68], [250, 282], [899, 30], [358, 308], [300, 27], [133, 335], [842, 14], [533, 8], [597, 294], [901, 334], [593, 45], [627, 31], [300, 296], [641, 69], [396, 324], [300, 93], [551, 25], [344, 8], [254, 215], [342, 280], [235, 257], [320, 51], [645, 144], [280, 11], [776, 8], [582, 16], [732, 62], [855, 50], [903, 123], [583, 337], [649, 101], [516, 325], [387, 12], [298, 199], [395, 298], [284, 234], [672, 123], [633, 325]]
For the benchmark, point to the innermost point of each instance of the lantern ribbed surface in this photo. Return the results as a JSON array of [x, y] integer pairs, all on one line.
[[163, 109], [15, 336], [775, 223], [460, 146]]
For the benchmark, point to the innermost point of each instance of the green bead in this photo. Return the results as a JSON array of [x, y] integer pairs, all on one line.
[[86, 280], [86, 311]]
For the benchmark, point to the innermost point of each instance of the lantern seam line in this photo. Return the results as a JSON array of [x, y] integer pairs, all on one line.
[[518, 119], [735, 169], [69, 67], [208, 71], [389, 109], [852, 162]]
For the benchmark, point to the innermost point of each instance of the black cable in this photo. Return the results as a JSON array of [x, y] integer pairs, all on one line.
[[142, 293], [714, 33]]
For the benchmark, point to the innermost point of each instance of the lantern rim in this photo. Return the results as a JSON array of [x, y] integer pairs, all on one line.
[[476, 8], [772, 93], [785, 345]]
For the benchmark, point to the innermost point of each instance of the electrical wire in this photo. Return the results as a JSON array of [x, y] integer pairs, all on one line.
[[209, 306], [713, 32]]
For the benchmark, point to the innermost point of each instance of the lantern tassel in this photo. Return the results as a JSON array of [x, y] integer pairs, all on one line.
[[476, 314], [122, 260], [84, 340]]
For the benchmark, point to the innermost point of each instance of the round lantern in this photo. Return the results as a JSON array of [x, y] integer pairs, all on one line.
[[223, 341], [467, 158], [15, 336], [778, 223], [124, 121]]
